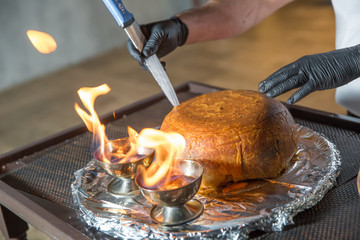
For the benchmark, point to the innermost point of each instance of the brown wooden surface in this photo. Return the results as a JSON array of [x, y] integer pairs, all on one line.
[[35, 214]]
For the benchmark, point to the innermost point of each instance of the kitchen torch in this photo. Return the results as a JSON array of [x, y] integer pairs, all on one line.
[[126, 20]]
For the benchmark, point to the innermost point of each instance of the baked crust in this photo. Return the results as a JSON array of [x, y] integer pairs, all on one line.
[[235, 134]]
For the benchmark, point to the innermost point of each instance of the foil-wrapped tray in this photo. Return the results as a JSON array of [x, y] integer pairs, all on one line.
[[268, 204]]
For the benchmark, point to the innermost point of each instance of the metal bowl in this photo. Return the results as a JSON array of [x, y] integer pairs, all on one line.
[[175, 206], [124, 172]]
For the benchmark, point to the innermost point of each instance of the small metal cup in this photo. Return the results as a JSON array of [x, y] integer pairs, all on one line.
[[176, 206], [124, 173]]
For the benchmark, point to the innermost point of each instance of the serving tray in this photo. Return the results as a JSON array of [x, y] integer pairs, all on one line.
[[267, 205], [35, 180]]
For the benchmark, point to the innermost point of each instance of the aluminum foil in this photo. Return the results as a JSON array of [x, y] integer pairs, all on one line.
[[267, 205]]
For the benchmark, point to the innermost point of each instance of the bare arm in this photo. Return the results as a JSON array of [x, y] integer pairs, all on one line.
[[219, 19]]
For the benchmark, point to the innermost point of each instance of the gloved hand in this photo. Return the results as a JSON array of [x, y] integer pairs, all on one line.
[[162, 38], [314, 72]]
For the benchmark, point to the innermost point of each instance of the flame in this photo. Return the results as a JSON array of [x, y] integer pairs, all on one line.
[[127, 152], [168, 148], [43, 42], [121, 153], [163, 173], [88, 96]]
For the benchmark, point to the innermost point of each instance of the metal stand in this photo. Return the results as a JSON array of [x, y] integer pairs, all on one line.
[[123, 186], [170, 216]]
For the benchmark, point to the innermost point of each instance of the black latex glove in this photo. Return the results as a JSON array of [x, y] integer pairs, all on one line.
[[162, 38], [314, 72]]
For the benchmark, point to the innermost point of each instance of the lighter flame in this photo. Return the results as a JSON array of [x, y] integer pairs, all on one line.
[[168, 148], [43, 42]]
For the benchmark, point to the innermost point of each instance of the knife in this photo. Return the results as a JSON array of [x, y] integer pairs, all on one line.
[[127, 21]]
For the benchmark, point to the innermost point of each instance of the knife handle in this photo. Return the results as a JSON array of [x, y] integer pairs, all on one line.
[[122, 16], [126, 20]]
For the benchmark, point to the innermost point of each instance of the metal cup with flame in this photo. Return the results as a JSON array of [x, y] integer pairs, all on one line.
[[119, 158], [121, 163], [169, 183]]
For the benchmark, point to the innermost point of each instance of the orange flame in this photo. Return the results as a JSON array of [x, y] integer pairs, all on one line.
[[122, 153], [92, 121], [126, 153], [43, 42], [168, 148]]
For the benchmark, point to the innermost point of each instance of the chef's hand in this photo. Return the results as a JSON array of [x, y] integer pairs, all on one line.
[[162, 38], [314, 72]]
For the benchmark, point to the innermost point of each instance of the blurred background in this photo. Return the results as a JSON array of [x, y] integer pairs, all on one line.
[[38, 92]]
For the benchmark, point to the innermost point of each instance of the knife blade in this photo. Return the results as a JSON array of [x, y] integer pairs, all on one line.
[[126, 20]]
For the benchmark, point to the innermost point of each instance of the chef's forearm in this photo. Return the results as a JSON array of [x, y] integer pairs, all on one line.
[[219, 19]]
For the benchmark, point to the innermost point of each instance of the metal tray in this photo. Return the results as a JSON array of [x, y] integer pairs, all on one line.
[[267, 205]]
